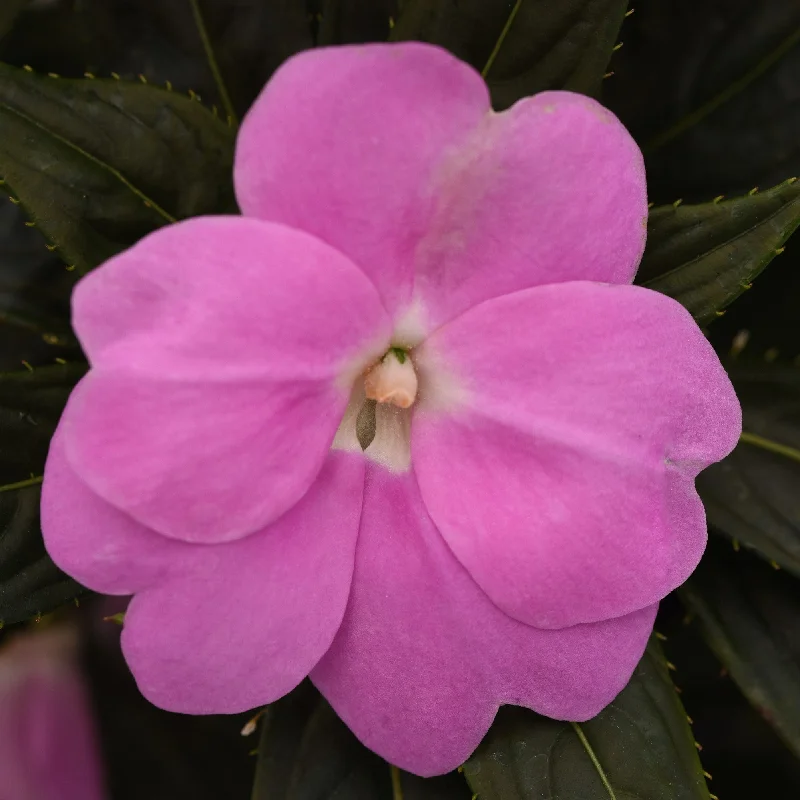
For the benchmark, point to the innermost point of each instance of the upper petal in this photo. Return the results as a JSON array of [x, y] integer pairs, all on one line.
[[345, 143], [559, 464], [551, 190], [220, 354], [392, 154], [423, 658]]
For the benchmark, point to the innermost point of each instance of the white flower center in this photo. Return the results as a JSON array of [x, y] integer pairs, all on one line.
[[378, 417]]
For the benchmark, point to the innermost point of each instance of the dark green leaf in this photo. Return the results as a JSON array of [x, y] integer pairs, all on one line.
[[754, 494], [98, 164], [250, 40], [26, 316], [529, 46], [30, 583], [30, 405], [748, 614], [307, 753], [681, 56], [446, 787], [34, 296], [706, 255], [639, 748], [148, 753]]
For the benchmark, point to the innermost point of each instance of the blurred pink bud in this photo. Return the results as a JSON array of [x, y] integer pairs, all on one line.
[[48, 747]]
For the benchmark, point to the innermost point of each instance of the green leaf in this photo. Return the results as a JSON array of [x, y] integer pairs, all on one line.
[[307, 753], [34, 295], [446, 787], [30, 584], [27, 317], [522, 47], [751, 41], [30, 406], [98, 164], [639, 748], [706, 255], [250, 40], [753, 495], [748, 613]]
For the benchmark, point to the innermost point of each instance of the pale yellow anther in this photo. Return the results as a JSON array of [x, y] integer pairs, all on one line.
[[392, 380]]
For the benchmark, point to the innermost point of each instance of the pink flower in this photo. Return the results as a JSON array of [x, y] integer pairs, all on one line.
[[48, 749], [528, 497]]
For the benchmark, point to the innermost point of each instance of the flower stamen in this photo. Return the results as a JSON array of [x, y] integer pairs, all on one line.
[[393, 380]]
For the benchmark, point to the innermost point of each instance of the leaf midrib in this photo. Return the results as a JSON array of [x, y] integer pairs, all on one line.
[[746, 232], [771, 445], [595, 761]]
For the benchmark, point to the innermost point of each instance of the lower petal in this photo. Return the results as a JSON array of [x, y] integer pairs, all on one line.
[[423, 658], [254, 617], [98, 545], [560, 463], [555, 536]]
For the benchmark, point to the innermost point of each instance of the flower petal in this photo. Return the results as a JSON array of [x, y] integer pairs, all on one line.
[[345, 143], [423, 658], [261, 610], [551, 190], [229, 298], [441, 202], [226, 352], [98, 545], [252, 618], [562, 472], [199, 462]]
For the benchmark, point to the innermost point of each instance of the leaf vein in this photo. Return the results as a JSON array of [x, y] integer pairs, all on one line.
[[590, 752]]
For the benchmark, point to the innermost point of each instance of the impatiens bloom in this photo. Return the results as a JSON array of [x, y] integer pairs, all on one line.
[[448, 288], [48, 749]]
